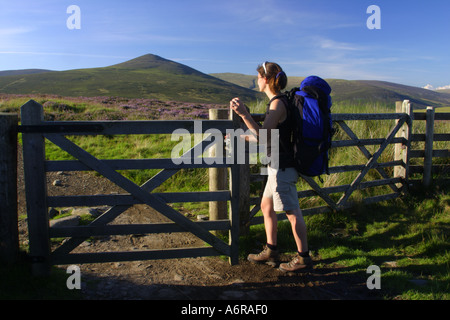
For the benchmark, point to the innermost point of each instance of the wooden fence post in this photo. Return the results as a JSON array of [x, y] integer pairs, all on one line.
[[244, 178], [32, 113], [402, 150], [9, 234], [428, 158], [217, 176], [235, 206]]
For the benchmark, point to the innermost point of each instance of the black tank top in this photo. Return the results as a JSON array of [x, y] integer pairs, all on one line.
[[286, 145]]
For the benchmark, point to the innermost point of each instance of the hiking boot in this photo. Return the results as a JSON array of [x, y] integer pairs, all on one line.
[[296, 264], [267, 256]]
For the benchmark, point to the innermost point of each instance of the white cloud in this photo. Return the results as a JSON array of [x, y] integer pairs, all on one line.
[[331, 44], [14, 31], [430, 87]]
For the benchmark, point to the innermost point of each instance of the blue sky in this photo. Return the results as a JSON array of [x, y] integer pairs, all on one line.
[[329, 38]]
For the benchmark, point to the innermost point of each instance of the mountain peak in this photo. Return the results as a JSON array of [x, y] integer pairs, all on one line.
[[142, 62], [158, 64]]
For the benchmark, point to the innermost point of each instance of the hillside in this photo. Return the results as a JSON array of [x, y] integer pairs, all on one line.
[[360, 91], [148, 76], [153, 77], [22, 72]]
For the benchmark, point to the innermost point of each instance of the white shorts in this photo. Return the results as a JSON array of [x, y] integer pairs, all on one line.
[[281, 187]]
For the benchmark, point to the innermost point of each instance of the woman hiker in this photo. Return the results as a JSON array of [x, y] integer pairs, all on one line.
[[280, 193]]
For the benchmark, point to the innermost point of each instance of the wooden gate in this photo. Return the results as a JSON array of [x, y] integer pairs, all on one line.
[[35, 130], [400, 135]]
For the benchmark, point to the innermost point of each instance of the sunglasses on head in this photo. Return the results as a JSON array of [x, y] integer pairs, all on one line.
[[264, 66]]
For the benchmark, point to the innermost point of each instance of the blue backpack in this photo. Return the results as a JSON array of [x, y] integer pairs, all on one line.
[[310, 105]]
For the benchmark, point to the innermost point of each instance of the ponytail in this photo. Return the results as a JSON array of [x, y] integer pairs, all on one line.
[[275, 76]]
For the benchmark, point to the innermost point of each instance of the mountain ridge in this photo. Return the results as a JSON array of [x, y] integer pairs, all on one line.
[[154, 77], [22, 72], [148, 76], [359, 91]]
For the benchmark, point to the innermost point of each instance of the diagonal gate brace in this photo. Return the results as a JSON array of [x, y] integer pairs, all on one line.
[[369, 165], [365, 152], [138, 192]]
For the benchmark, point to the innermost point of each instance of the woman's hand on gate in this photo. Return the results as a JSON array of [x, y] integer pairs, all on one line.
[[237, 106]]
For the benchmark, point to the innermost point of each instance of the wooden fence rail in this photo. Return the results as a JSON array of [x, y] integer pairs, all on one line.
[[401, 136], [35, 130], [234, 187], [398, 135], [429, 152]]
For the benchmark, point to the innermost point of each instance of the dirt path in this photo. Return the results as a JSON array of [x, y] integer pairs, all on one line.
[[210, 278]]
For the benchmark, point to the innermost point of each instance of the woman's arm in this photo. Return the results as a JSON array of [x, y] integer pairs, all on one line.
[[276, 113]]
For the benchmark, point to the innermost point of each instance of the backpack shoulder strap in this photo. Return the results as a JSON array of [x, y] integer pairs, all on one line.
[[282, 97]]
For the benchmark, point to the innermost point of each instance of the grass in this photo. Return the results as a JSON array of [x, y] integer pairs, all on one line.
[[146, 77], [407, 238], [17, 283]]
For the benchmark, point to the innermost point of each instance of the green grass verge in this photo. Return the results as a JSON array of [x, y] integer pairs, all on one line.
[[407, 238], [18, 283]]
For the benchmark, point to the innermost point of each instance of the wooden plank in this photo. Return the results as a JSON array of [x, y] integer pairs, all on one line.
[[351, 116], [441, 153], [363, 142], [102, 257], [138, 192], [283, 217], [365, 116], [36, 189], [128, 199], [139, 164], [115, 211], [319, 191], [108, 230], [125, 127], [436, 136], [402, 150], [428, 154], [365, 152], [9, 233], [329, 190], [435, 154], [383, 197], [370, 163], [348, 168], [235, 206], [436, 169], [218, 176], [254, 211], [323, 209], [407, 132], [338, 189], [440, 116]]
